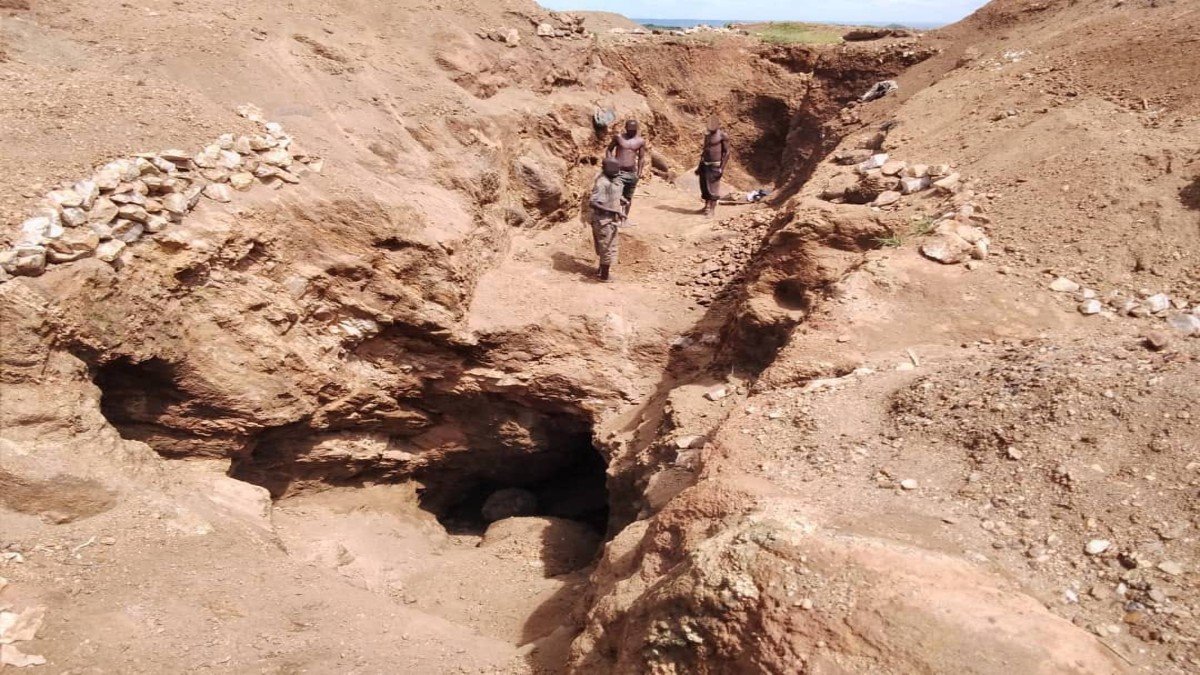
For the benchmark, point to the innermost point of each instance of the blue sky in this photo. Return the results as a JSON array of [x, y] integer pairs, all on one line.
[[847, 11]]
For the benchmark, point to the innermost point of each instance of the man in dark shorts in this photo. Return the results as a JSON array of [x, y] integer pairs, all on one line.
[[629, 149], [713, 158]]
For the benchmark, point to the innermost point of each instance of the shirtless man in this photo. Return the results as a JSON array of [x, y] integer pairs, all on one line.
[[630, 151], [713, 158]]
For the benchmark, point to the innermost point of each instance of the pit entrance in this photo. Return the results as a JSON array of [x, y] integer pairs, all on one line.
[[576, 490]]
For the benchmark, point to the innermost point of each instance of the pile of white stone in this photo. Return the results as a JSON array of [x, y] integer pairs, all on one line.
[[1142, 304], [131, 197], [956, 239], [883, 181]]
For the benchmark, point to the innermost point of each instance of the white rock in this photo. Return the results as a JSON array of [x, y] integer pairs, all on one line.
[[689, 442], [192, 193], [545, 30], [1188, 324], [717, 393], [913, 185], [886, 198], [26, 260], [1097, 546], [72, 246], [250, 112], [88, 192], [218, 192], [1158, 303], [950, 184], [156, 224], [74, 217], [917, 171], [175, 156], [206, 160], [103, 211], [110, 250], [1064, 285], [133, 212], [909, 484], [225, 141], [948, 249], [241, 181], [65, 198], [1090, 307], [37, 230], [175, 203], [1171, 567], [277, 157], [275, 129], [229, 159], [102, 230], [242, 145], [876, 161], [127, 231]]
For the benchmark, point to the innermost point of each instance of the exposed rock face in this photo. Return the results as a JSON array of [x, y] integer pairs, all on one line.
[[847, 602]]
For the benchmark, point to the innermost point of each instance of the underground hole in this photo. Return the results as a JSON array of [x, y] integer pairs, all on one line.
[[576, 491]]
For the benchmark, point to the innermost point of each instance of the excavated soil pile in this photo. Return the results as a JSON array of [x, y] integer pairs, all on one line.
[[305, 367]]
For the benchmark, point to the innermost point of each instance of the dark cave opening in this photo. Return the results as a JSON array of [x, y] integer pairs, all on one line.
[[576, 489]]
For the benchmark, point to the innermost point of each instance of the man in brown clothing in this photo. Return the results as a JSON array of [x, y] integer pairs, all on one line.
[[630, 151], [713, 158], [608, 212]]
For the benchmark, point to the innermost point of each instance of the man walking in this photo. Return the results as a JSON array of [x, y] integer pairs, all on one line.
[[629, 149], [713, 158], [608, 212]]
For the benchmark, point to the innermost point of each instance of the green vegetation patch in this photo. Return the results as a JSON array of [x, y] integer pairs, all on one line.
[[792, 32]]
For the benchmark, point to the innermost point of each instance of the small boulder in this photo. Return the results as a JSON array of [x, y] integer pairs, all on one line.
[[241, 181], [836, 187], [73, 245], [110, 250], [886, 198], [127, 231], [1064, 285], [917, 171], [74, 217], [88, 192], [509, 503], [852, 157], [949, 184], [25, 260], [1090, 307], [175, 203], [133, 212], [948, 249], [913, 185], [893, 167], [277, 157], [218, 192], [37, 230], [65, 198], [1158, 303], [545, 30], [1187, 324]]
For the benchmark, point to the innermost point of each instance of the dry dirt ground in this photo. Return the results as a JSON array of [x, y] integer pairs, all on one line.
[[782, 441]]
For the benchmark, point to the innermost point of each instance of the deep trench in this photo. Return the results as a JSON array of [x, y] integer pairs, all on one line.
[[560, 467]]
